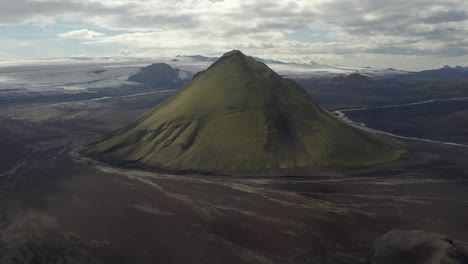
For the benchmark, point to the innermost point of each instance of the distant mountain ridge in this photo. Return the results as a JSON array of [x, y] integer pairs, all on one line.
[[444, 73], [339, 74]]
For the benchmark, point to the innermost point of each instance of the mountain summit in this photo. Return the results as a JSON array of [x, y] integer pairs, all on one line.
[[240, 117]]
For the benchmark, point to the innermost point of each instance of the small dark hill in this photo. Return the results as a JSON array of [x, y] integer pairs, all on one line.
[[158, 75], [239, 117], [357, 77], [351, 79]]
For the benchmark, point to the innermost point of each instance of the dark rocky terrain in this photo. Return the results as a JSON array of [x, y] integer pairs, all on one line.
[[410, 247], [59, 207], [443, 120]]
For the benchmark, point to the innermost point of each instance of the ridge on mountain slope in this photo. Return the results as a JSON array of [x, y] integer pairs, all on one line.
[[240, 117]]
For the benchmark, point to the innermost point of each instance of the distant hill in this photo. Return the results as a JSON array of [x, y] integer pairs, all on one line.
[[159, 75], [239, 117], [351, 79], [444, 73]]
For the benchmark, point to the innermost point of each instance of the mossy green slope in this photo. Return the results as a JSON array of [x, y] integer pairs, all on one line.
[[240, 117]]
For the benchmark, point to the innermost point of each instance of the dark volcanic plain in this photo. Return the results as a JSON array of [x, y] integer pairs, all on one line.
[[442, 120], [57, 206]]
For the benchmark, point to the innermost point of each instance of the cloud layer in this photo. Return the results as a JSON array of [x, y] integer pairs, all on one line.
[[82, 34], [294, 30]]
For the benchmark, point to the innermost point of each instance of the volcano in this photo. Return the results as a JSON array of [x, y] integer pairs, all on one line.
[[239, 117]]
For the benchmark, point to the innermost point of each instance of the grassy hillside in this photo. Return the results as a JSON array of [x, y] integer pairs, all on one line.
[[240, 117]]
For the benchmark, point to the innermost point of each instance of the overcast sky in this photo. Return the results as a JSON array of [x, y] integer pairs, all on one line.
[[404, 34]]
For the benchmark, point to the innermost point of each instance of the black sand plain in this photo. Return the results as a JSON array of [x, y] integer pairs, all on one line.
[[57, 206]]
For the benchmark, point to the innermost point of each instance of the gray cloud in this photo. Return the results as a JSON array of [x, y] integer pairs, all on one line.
[[429, 23], [398, 27], [14, 12], [123, 15], [446, 16]]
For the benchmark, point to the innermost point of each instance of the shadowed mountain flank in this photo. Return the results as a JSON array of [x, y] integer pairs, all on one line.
[[239, 117]]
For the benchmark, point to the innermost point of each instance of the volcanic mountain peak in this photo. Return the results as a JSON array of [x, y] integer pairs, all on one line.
[[249, 65], [240, 117], [234, 52]]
